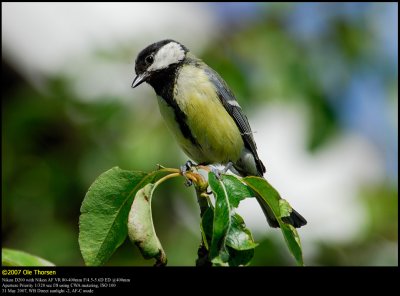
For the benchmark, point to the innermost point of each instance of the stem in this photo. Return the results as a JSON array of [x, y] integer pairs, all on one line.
[[203, 202], [200, 185], [173, 175], [169, 170], [202, 199]]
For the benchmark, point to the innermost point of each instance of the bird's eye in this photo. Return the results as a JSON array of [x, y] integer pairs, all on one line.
[[149, 59]]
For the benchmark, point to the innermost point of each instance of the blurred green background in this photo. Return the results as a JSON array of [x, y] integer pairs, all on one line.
[[319, 83]]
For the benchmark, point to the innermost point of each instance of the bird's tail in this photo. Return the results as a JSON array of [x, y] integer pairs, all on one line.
[[294, 219], [250, 165]]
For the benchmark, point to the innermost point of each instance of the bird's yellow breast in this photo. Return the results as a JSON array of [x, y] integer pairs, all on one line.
[[213, 128]]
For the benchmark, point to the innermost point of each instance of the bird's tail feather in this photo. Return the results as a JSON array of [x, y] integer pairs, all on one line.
[[294, 219], [256, 168]]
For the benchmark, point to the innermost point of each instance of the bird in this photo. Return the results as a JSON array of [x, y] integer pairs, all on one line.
[[203, 113]]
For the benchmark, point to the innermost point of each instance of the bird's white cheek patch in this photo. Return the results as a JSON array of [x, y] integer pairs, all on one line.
[[169, 54]]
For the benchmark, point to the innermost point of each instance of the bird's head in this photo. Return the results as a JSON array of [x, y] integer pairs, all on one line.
[[156, 58]]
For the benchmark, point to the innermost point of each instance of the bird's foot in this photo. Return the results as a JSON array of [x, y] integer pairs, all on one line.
[[218, 173], [186, 168]]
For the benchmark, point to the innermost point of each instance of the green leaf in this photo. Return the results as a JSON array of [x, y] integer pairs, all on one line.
[[284, 208], [104, 212], [293, 241], [239, 237], [231, 243], [239, 241], [239, 258], [280, 208], [207, 227], [18, 258], [222, 216], [237, 191], [141, 229]]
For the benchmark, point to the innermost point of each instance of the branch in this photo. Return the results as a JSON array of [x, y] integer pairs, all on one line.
[[201, 186]]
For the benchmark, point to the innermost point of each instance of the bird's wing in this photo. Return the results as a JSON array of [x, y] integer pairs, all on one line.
[[231, 105]]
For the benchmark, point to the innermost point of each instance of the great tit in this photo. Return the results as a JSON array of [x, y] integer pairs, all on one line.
[[203, 113]]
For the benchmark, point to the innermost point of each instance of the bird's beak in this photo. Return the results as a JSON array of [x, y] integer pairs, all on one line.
[[139, 79]]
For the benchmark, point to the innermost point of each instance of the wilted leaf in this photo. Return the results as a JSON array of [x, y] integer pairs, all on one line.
[[141, 229]]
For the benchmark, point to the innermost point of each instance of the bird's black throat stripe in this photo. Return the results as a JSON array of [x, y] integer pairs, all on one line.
[[163, 83]]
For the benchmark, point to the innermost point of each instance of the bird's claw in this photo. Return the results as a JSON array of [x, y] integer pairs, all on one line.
[[186, 168], [188, 182], [218, 173]]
